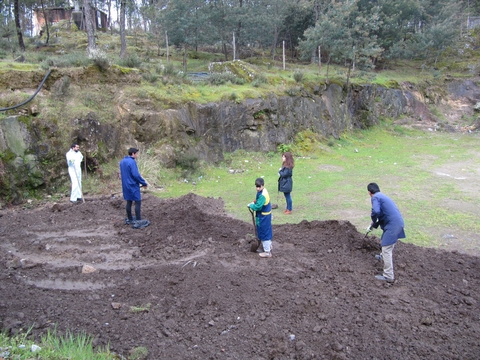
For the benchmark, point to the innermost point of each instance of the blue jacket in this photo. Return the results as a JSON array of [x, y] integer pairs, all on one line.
[[386, 214], [263, 213], [131, 179], [285, 181]]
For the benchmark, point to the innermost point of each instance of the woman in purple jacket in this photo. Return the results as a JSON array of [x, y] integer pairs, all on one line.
[[386, 215]]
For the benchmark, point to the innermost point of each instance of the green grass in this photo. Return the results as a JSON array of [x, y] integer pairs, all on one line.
[[51, 346]]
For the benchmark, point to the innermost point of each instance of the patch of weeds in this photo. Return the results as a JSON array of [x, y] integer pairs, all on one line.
[[189, 164], [260, 115], [293, 91], [259, 79], [130, 61], [298, 76], [99, 59], [142, 93], [89, 100], [75, 59], [223, 78], [138, 353], [141, 308], [283, 148], [150, 77], [306, 140], [169, 70], [61, 86]]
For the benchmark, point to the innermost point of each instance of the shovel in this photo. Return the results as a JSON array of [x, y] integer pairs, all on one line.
[[256, 243]]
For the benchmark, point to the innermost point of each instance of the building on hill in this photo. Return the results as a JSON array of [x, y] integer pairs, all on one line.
[[75, 15]]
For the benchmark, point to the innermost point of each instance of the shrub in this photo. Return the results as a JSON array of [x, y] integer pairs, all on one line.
[[223, 78], [150, 77], [189, 164], [130, 61], [298, 76], [259, 79], [99, 58], [283, 148], [169, 70], [67, 60]]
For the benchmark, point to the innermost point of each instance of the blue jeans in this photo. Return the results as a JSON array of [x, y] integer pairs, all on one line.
[[288, 197]]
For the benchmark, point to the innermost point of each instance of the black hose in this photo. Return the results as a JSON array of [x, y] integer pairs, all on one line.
[[31, 97]]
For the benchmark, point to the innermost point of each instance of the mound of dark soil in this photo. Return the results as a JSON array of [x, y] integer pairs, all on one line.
[[187, 287]]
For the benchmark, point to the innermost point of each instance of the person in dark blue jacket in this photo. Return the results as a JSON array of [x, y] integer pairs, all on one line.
[[285, 181], [386, 215], [263, 213], [131, 181]]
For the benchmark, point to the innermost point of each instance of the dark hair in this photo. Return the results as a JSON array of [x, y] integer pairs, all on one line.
[[288, 163], [73, 145], [259, 182], [132, 151], [373, 188]]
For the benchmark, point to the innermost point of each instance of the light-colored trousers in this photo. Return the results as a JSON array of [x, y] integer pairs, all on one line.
[[387, 255]]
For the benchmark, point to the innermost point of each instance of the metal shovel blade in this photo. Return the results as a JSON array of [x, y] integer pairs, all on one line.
[[256, 243]]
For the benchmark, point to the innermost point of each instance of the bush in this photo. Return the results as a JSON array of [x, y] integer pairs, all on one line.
[[189, 164], [259, 79], [99, 58], [131, 61], [150, 77], [67, 60], [169, 70], [298, 76], [223, 78]]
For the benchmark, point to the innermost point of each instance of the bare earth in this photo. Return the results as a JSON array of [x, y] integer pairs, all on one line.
[[187, 287]]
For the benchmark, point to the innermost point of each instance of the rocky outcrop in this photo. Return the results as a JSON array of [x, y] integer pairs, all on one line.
[[33, 149]]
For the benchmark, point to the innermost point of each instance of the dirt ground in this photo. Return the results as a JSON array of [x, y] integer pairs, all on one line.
[[187, 286]]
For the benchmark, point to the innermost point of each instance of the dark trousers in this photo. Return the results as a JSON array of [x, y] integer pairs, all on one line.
[[138, 215]]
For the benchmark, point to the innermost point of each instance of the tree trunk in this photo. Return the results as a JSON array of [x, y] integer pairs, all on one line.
[[275, 40], [225, 51], [46, 23], [185, 59], [16, 11], [123, 40], [87, 10]]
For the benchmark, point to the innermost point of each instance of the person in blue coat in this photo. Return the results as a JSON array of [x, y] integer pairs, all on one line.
[[285, 181], [386, 215], [263, 220], [131, 182]]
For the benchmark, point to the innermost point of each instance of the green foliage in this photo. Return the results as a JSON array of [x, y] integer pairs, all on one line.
[[169, 70], [73, 59], [234, 96], [52, 346], [141, 308], [306, 141], [223, 78], [298, 76], [259, 79], [150, 77], [138, 353], [189, 165], [130, 61], [283, 148], [239, 69], [99, 58]]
